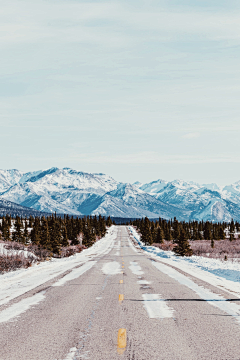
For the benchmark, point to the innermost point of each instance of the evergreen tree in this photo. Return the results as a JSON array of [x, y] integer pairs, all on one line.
[[109, 222], [17, 234], [6, 234], [36, 232], [45, 240], [56, 236], [231, 238], [207, 231], [159, 236], [64, 236], [183, 247]]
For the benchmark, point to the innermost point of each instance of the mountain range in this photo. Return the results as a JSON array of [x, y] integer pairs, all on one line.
[[79, 193]]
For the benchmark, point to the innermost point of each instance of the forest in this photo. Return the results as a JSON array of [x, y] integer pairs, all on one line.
[[193, 237], [26, 240]]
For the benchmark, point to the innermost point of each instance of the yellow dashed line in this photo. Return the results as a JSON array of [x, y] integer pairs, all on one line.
[[121, 281], [121, 297], [122, 340]]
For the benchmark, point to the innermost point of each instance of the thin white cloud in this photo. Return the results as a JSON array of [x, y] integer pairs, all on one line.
[[191, 135], [151, 158]]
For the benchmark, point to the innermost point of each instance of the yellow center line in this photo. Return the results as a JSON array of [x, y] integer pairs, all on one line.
[[122, 340], [121, 281], [120, 297]]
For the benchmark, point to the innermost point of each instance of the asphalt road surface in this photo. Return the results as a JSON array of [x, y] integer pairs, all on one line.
[[123, 307]]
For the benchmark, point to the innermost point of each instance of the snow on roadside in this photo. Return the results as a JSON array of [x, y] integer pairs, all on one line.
[[75, 273], [213, 299], [16, 283], [25, 253], [223, 275], [17, 309]]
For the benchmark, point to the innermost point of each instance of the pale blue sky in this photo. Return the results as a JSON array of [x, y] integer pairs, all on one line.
[[140, 90]]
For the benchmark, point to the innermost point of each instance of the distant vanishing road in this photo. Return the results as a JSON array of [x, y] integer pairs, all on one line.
[[121, 307]]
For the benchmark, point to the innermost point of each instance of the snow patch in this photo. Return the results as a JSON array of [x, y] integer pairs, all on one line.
[[71, 354], [135, 268], [156, 307], [144, 282], [213, 299], [111, 268], [16, 283], [221, 274], [75, 273], [17, 309]]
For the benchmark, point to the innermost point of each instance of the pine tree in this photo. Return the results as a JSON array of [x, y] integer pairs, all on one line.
[[6, 234], [45, 240], [183, 247], [207, 231], [176, 230], [36, 232], [168, 235], [231, 237], [17, 234], [64, 236], [159, 236], [221, 233], [109, 222], [56, 237]]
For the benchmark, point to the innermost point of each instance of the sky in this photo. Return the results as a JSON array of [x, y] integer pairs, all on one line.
[[137, 89]]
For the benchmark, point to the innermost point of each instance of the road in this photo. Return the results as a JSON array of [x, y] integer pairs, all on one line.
[[122, 307]]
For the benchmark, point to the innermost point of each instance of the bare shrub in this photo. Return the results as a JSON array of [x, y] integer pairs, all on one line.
[[13, 245], [166, 246], [71, 250], [221, 248], [14, 262]]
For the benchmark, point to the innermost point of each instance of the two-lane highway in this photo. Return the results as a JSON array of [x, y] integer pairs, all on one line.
[[122, 306]]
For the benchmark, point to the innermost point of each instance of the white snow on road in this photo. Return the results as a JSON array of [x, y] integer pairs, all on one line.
[[221, 274], [135, 268], [213, 299], [17, 309], [156, 307], [111, 268], [16, 283], [71, 354], [75, 273], [144, 282]]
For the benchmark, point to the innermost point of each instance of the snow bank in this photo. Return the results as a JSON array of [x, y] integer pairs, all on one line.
[[9, 252], [14, 284], [222, 274]]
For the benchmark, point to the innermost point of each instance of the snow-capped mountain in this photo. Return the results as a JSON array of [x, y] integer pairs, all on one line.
[[206, 202], [79, 193], [10, 208]]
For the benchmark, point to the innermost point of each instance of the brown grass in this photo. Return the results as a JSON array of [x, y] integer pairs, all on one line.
[[166, 246], [222, 249]]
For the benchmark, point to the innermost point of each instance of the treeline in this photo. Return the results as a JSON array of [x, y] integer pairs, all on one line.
[[180, 232], [53, 233]]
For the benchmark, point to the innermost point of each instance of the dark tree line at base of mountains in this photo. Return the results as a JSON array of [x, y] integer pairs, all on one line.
[[53, 233], [181, 232]]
